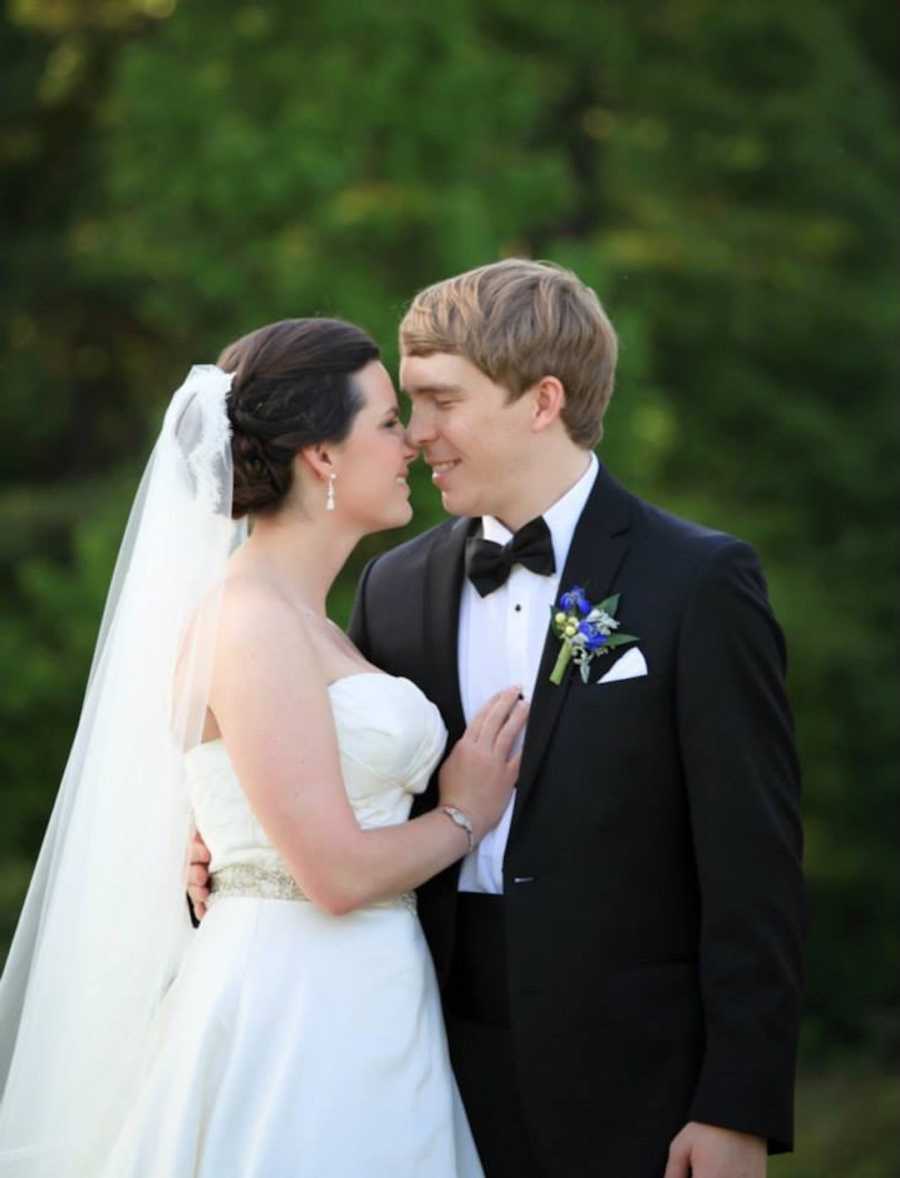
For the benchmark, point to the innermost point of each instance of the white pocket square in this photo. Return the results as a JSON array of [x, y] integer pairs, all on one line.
[[631, 665]]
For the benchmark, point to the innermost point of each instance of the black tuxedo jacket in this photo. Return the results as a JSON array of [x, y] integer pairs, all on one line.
[[653, 894]]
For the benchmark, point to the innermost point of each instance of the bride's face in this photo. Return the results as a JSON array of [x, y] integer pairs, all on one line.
[[370, 487]]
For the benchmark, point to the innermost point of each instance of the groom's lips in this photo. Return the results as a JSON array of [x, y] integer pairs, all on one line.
[[441, 470]]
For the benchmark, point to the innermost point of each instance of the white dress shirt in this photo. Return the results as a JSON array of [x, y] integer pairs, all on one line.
[[501, 639]]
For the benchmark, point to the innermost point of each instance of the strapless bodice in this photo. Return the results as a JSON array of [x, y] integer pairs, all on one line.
[[390, 738]]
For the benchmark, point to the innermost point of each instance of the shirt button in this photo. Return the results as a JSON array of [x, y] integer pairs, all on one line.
[[518, 607]]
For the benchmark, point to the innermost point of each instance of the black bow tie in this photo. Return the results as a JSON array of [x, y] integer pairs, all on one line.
[[488, 564]]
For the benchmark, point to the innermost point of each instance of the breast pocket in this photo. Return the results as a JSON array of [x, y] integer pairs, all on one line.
[[618, 741], [640, 703], [649, 680]]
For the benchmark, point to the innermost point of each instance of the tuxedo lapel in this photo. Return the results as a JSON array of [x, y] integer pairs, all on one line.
[[598, 549], [443, 590]]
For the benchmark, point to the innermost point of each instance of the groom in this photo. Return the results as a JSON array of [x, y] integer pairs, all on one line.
[[620, 958]]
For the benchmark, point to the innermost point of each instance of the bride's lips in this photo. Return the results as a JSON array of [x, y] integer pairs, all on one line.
[[440, 471]]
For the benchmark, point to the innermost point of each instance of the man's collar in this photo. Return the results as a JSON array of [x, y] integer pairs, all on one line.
[[561, 518]]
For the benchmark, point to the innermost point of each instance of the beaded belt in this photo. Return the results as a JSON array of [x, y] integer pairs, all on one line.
[[275, 883]]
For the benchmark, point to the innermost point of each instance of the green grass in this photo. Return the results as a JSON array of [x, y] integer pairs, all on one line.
[[848, 1124]]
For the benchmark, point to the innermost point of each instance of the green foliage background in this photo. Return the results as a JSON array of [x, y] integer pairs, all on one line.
[[725, 175]]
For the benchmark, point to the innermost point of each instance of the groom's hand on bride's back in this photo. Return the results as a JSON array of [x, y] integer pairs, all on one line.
[[198, 877]]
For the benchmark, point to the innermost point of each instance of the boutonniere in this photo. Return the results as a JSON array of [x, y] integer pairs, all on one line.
[[585, 631]]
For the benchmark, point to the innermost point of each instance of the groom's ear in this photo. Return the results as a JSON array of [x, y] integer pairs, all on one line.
[[548, 398]]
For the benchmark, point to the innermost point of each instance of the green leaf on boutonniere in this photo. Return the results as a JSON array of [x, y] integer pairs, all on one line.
[[610, 605], [620, 639], [585, 669]]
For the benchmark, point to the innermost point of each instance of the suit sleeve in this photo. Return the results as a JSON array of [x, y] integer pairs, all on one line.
[[742, 778]]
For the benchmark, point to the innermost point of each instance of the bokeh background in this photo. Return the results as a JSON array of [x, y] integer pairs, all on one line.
[[725, 175]]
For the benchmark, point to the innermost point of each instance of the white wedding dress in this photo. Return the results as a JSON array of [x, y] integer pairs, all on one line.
[[293, 1043]]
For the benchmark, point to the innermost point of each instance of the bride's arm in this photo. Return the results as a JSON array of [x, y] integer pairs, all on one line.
[[271, 703]]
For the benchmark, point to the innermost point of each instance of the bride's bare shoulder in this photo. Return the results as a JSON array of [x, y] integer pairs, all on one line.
[[254, 610]]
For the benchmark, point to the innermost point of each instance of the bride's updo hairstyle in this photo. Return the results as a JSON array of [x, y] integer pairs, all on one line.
[[293, 387]]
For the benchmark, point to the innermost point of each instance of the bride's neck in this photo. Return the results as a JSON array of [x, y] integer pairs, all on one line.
[[303, 555]]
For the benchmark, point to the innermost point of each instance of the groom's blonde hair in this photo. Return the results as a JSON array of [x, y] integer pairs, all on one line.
[[518, 321]]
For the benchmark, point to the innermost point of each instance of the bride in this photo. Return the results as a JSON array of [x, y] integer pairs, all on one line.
[[298, 1031]]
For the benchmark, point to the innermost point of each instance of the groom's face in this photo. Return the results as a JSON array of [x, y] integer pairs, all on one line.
[[470, 433]]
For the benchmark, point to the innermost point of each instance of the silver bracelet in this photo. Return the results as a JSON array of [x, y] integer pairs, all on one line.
[[462, 821]]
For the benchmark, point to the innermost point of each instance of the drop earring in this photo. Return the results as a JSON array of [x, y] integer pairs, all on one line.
[[329, 498]]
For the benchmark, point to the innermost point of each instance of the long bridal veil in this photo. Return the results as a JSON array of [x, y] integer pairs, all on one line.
[[105, 921]]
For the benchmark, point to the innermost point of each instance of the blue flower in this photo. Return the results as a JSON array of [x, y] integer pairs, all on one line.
[[575, 599], [593, 638]]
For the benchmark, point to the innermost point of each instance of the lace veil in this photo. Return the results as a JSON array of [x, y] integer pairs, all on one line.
[[105, 922]]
